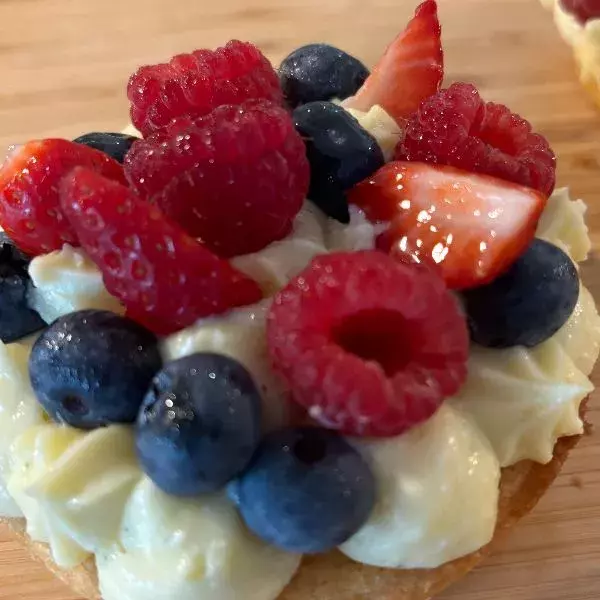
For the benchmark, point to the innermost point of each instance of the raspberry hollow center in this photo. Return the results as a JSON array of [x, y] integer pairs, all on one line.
[[380, 335]]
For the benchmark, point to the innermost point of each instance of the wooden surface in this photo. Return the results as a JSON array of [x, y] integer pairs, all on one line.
[[64, 65]]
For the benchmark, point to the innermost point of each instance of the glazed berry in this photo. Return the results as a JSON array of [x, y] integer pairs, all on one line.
[[166, 279], [340, 152], [320, 72], [92, 368], [456, 127], [235, 178], [527, 304], [469, 227], [307, 490], [377, 344], [194, 84], [29, 199], [116, 145], [583, 10], [199, 424], [411, 69], [17, 320]]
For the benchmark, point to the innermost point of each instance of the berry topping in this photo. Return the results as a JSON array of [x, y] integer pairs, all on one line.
[[527, 304], [368, 345], [583, 10], [166, 279], [92, 368], [17, 319], [29, 195], [235, 178], [16, 254], [411, 69], [320, 72], [456, 127], [116, 145], [199, 424], [307, 490], [194, 84], [469, 227], [340, 152]]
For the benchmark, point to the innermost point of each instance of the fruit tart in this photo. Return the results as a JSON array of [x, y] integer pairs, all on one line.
[[308, 333], [578, 22]]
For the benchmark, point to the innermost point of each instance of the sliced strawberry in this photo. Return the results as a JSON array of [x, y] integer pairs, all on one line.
[[411, 69], [29, 199], [166, 279], [471, 227]]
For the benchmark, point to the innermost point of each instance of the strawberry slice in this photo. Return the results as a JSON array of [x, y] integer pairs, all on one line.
[[165, 278], [411, 69], [469, 227], [29, 199]]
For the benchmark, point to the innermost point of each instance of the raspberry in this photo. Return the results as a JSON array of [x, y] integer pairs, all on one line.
[[584, 10], [194, 84], [165, 279], [456, 127], [368, 345], [235, 178], [29, 200]]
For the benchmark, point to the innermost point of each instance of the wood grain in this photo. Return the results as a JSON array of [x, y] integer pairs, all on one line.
[[65, 64]]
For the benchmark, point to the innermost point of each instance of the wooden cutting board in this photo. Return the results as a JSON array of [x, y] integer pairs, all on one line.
[[64, 66]]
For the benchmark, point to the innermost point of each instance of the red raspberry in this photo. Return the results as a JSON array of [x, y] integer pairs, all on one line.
[[165, 279], [194, 84], [368, 345], [235, 178], [456, 127], [584, 10], [29, 200]]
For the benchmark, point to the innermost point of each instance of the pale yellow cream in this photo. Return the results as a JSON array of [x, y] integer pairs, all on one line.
[[273, 266], [240, 335], [585, 40], [32, 455], [359, 234], [73, 485], [563, 224], [524, 399], [84, 492], [381, 126], [189, 549], [580, 336], [19, 411], [65, 281], [437, 495], [587, 53], [568, 26]]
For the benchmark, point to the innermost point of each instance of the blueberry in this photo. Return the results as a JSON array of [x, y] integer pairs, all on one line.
[[17, 320], [92, 368], [199, 424], [527, 304], [340, 152], [320, 72], [115, 145], [17, 255], [307, 490]]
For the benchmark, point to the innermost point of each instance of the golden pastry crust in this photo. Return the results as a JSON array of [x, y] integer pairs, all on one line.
[[336, 577], [590, 84]]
